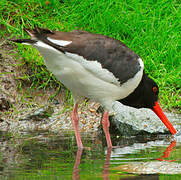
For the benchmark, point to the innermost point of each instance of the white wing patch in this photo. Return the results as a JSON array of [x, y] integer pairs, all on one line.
[[25, 43], [141, 63], [43, 45], [95, 68], [59, 42]]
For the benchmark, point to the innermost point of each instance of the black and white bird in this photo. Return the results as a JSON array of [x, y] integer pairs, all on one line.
[[99, 68]]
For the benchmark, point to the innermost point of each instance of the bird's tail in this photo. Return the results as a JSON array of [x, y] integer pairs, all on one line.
[[24, 41], [39, 34], [36, 34]]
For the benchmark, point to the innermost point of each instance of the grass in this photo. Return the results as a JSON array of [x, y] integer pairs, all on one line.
[[150, 27]]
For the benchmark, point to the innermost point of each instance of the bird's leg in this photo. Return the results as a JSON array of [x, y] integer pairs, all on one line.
[[75, 121], [105, 125]]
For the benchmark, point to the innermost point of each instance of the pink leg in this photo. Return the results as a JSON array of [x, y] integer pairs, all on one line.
[[106, 124], [75, 120]]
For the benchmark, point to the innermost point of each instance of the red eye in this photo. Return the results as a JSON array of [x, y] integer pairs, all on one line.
[[155, 89]]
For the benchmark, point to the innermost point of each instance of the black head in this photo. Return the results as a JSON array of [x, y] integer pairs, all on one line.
[[144, 96]]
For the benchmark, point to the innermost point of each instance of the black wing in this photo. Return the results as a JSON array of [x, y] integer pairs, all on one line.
[[110, 53]]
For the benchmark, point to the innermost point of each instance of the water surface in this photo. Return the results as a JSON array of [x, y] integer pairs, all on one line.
[[44, 155]]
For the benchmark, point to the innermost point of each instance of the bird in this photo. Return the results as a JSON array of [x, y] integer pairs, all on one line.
[[96, 67]]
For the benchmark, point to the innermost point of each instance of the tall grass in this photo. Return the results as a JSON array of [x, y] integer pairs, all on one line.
[[149, 27]]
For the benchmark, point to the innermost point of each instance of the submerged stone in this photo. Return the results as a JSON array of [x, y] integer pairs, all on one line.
[[153, 167]]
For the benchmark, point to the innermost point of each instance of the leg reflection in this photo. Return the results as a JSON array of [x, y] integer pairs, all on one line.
[[75, 173], [105, 172]]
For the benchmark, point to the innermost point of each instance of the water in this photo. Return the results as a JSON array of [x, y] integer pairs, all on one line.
[[44, 155]]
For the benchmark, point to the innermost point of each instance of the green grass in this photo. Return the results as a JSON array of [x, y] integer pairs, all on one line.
[[150, 27]]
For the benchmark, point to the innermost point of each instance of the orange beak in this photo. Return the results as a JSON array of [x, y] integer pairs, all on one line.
[[158, 111]]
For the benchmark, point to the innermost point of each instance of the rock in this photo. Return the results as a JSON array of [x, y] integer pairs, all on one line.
[[39, 114], [4, 104], [130, 121]]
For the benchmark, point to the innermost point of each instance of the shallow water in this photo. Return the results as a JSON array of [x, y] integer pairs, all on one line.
[[43, 155]]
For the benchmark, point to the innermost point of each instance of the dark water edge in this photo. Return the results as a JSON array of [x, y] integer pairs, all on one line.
[[44, 155]]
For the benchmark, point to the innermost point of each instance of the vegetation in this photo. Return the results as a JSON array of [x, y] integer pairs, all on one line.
[[151, 28]]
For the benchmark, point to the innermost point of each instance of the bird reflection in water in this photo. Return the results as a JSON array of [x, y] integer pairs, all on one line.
[[105, 172], [167, 152]]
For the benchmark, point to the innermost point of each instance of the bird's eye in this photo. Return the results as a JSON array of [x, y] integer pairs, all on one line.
[[155, 89]]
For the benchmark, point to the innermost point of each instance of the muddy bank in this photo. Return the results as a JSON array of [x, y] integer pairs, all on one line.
[[23, 108]]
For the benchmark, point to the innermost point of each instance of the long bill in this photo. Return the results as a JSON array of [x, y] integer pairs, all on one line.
[[158, 111]]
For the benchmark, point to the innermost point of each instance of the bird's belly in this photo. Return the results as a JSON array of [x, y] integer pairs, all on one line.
[[86, 85], [81, 82]]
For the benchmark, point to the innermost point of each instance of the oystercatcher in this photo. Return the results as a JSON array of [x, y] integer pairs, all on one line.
[[99, 68]]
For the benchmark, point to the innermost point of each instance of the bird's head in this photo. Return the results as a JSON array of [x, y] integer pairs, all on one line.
[[146, 96], [149, 92]]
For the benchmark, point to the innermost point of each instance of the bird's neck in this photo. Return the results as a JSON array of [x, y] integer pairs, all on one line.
[[135, 98]]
